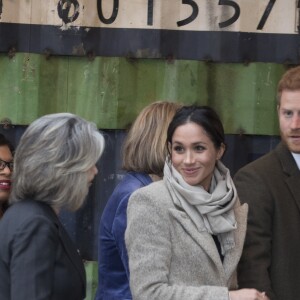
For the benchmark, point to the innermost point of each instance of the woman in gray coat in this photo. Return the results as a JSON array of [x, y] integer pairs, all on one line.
[[185, 234]]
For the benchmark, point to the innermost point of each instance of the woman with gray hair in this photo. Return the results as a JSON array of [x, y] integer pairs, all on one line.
[[54, 165]]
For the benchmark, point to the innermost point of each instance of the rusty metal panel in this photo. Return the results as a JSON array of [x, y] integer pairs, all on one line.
[[93, 90], [245, 97], [31, 86], [112, 91]]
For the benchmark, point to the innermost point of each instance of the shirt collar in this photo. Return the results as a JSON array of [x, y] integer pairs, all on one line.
[[297, 159]]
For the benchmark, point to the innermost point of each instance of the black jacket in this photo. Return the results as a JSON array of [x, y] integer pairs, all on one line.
[[38, 260]]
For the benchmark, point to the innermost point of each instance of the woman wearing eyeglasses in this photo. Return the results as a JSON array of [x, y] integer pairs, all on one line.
[[6, 168]]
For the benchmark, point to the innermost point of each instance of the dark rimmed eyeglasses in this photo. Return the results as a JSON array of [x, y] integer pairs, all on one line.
[[4, 163]]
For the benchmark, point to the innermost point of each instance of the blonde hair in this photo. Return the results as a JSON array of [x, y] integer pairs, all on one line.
[[145, 147], [53, 158]]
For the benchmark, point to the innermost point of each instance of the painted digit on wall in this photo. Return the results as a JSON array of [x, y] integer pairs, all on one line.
[[266, 14], [114, 14], [150, 12], [236, 15], [194, 14], [63, 9]]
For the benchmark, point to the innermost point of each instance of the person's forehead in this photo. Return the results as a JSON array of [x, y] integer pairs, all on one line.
[[5, 152], [290, 97]]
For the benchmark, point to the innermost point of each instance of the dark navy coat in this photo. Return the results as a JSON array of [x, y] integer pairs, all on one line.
[[113, 271]]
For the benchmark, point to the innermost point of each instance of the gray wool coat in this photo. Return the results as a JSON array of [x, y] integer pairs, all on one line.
[[169, 258]]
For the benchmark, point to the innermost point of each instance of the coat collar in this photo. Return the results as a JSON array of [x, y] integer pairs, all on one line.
[[286, 159], [144, 178], [290, 169]]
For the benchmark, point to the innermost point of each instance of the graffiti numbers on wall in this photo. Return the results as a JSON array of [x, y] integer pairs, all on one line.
[[195, 10], [268, 16], [64, 8]]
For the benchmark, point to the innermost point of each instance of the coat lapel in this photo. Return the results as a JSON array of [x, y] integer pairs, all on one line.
[[203, 239], [206, 242], [291, 171], [232, 257], [67, 243], [293, 183], [70, 249]]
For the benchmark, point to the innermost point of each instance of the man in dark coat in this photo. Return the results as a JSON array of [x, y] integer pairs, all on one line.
[[271, 186]]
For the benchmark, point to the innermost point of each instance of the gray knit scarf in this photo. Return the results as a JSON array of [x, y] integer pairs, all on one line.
[[210, 211]]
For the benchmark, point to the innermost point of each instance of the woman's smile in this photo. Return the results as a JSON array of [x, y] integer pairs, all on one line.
[[190, 171], [194, 155]]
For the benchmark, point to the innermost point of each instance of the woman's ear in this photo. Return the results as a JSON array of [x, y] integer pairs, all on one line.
[[221, 151]]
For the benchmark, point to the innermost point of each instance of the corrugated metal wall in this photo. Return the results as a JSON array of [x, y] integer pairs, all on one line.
[[112, 91]]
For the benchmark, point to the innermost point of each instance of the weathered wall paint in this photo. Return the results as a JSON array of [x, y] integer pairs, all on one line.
[[220, 31], [112, 91], [241, 15]]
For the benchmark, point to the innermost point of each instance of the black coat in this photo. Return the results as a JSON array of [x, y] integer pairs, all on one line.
[[38, 260], [271, 256]]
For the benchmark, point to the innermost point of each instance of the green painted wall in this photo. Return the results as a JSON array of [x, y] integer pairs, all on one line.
[[112, 91], [91, 269]]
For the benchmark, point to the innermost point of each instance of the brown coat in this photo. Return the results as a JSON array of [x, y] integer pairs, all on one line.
[[271, 257]]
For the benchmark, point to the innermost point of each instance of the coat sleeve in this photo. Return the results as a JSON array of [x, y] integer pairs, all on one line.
[[32, 262], [119, 227], [253, 269], [149, 248]]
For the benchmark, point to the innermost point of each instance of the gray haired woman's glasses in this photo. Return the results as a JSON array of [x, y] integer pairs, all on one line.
[[4, 163]]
